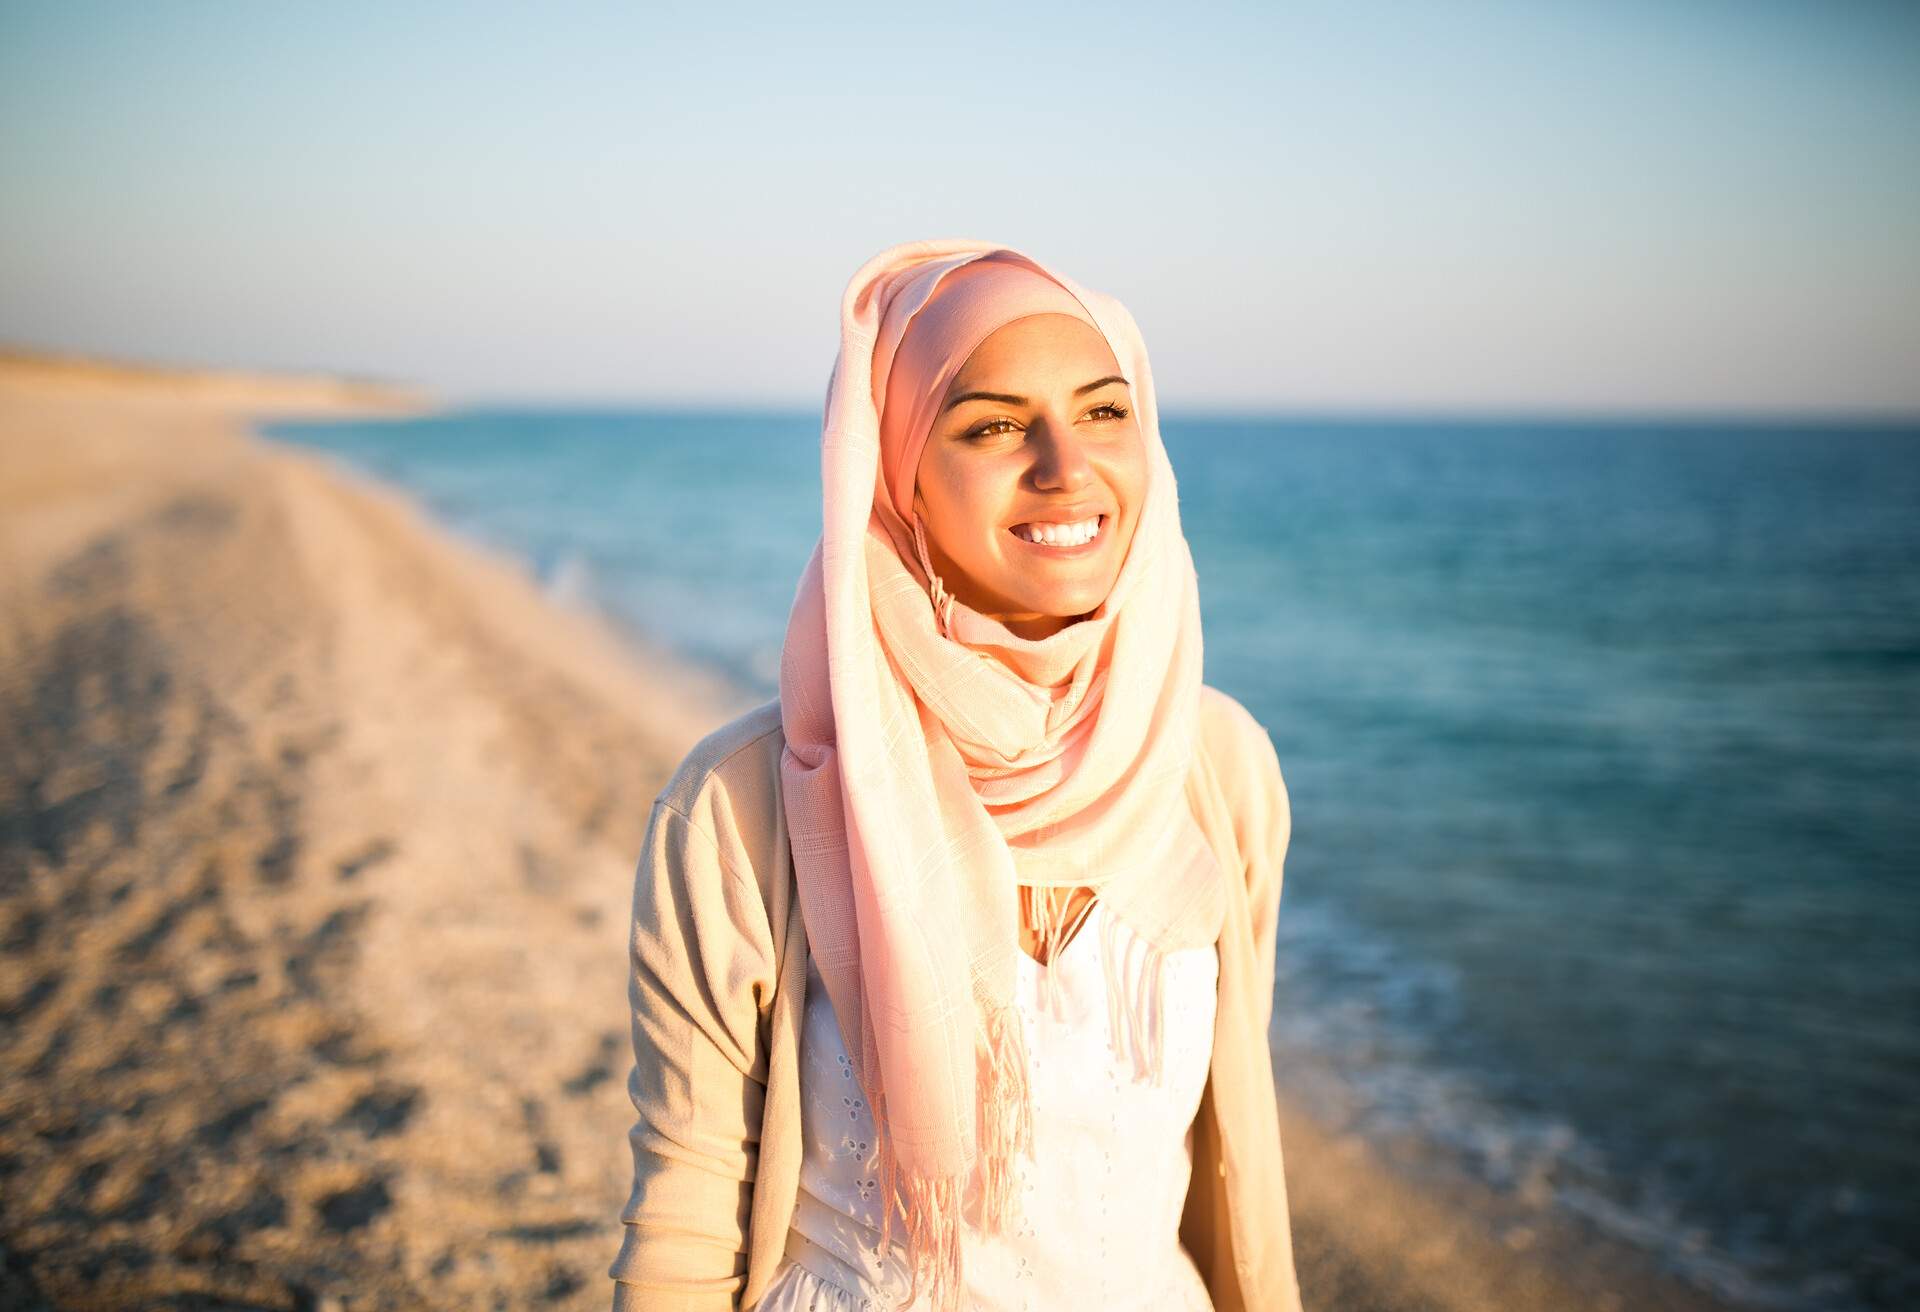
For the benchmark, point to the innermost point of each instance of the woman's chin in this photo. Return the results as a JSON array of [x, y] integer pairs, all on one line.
[[1064, 606]]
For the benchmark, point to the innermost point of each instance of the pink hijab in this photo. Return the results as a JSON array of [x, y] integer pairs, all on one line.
[[936, 762]]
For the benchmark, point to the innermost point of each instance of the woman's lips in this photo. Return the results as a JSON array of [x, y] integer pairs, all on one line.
[[1086, 548]]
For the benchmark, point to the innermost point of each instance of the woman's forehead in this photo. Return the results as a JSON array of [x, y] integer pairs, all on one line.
[[1037, 345]]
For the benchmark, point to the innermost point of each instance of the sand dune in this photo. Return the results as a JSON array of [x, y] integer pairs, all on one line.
[[317, 832]]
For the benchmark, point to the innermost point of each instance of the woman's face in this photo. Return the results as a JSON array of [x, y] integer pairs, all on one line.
[[1035, 439]]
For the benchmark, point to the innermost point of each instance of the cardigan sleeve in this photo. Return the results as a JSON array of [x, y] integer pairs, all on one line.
[[701, 959], [1270, 831], [1249, 771]]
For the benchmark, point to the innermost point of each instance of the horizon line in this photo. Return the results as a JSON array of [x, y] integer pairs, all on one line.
[[1345, 412], [447, 400]]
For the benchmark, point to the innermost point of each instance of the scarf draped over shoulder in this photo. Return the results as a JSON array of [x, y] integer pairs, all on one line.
[[936, 763]]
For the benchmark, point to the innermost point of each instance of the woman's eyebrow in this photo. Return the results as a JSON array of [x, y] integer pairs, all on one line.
[[1007, 399]]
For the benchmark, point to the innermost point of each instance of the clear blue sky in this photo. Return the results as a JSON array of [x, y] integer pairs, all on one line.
[[1464, 206]]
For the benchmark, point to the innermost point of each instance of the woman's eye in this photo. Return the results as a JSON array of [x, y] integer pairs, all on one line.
[[1107, 412], [988, 429]]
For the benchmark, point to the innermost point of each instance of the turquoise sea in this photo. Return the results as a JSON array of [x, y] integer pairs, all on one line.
[[1603, 742]]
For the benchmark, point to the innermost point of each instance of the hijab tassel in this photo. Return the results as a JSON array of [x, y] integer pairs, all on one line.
[[1136, 992], [1006, 1117], [931, 1208]]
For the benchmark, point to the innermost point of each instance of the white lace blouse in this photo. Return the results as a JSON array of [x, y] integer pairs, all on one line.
[[1101, 1201]]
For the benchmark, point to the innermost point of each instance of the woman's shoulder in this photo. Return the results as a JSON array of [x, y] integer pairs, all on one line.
[[728, 787], [1230, 734], [745, 746], [1244, 760]]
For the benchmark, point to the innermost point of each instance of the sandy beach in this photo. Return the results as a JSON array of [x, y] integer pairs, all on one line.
[[317, 830]]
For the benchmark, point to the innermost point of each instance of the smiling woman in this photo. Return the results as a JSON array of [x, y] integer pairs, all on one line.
[[866, 999]]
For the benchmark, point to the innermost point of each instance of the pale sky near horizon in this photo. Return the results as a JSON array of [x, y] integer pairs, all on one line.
[[1632, 206]]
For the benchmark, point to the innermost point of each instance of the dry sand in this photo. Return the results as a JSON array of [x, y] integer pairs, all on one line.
[[317, 831]]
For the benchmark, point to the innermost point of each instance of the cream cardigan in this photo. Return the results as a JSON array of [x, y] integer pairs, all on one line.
[[717, 986]]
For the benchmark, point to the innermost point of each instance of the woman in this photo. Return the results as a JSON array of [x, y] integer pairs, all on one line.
[[879, 1063]]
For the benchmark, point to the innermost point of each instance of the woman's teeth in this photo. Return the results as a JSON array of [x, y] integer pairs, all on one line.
[[1059, 535]]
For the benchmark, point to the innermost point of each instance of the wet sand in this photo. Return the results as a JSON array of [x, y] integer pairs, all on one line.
[[317, 830]]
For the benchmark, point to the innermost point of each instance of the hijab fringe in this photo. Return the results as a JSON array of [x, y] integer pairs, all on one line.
[[1136, 987], [933, 1207], [1006, 1117]]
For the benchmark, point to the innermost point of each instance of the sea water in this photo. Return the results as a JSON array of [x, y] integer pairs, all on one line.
[[1603, 744]]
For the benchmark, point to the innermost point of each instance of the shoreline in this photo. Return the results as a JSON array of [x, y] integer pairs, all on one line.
[[325, 822]]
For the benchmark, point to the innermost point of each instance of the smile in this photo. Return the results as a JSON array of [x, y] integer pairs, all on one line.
[[1060, 537]]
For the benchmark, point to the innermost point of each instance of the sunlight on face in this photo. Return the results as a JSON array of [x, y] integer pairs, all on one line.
[[1043, 448]]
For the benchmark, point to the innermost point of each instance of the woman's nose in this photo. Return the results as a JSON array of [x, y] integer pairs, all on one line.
[[1060, 459]]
